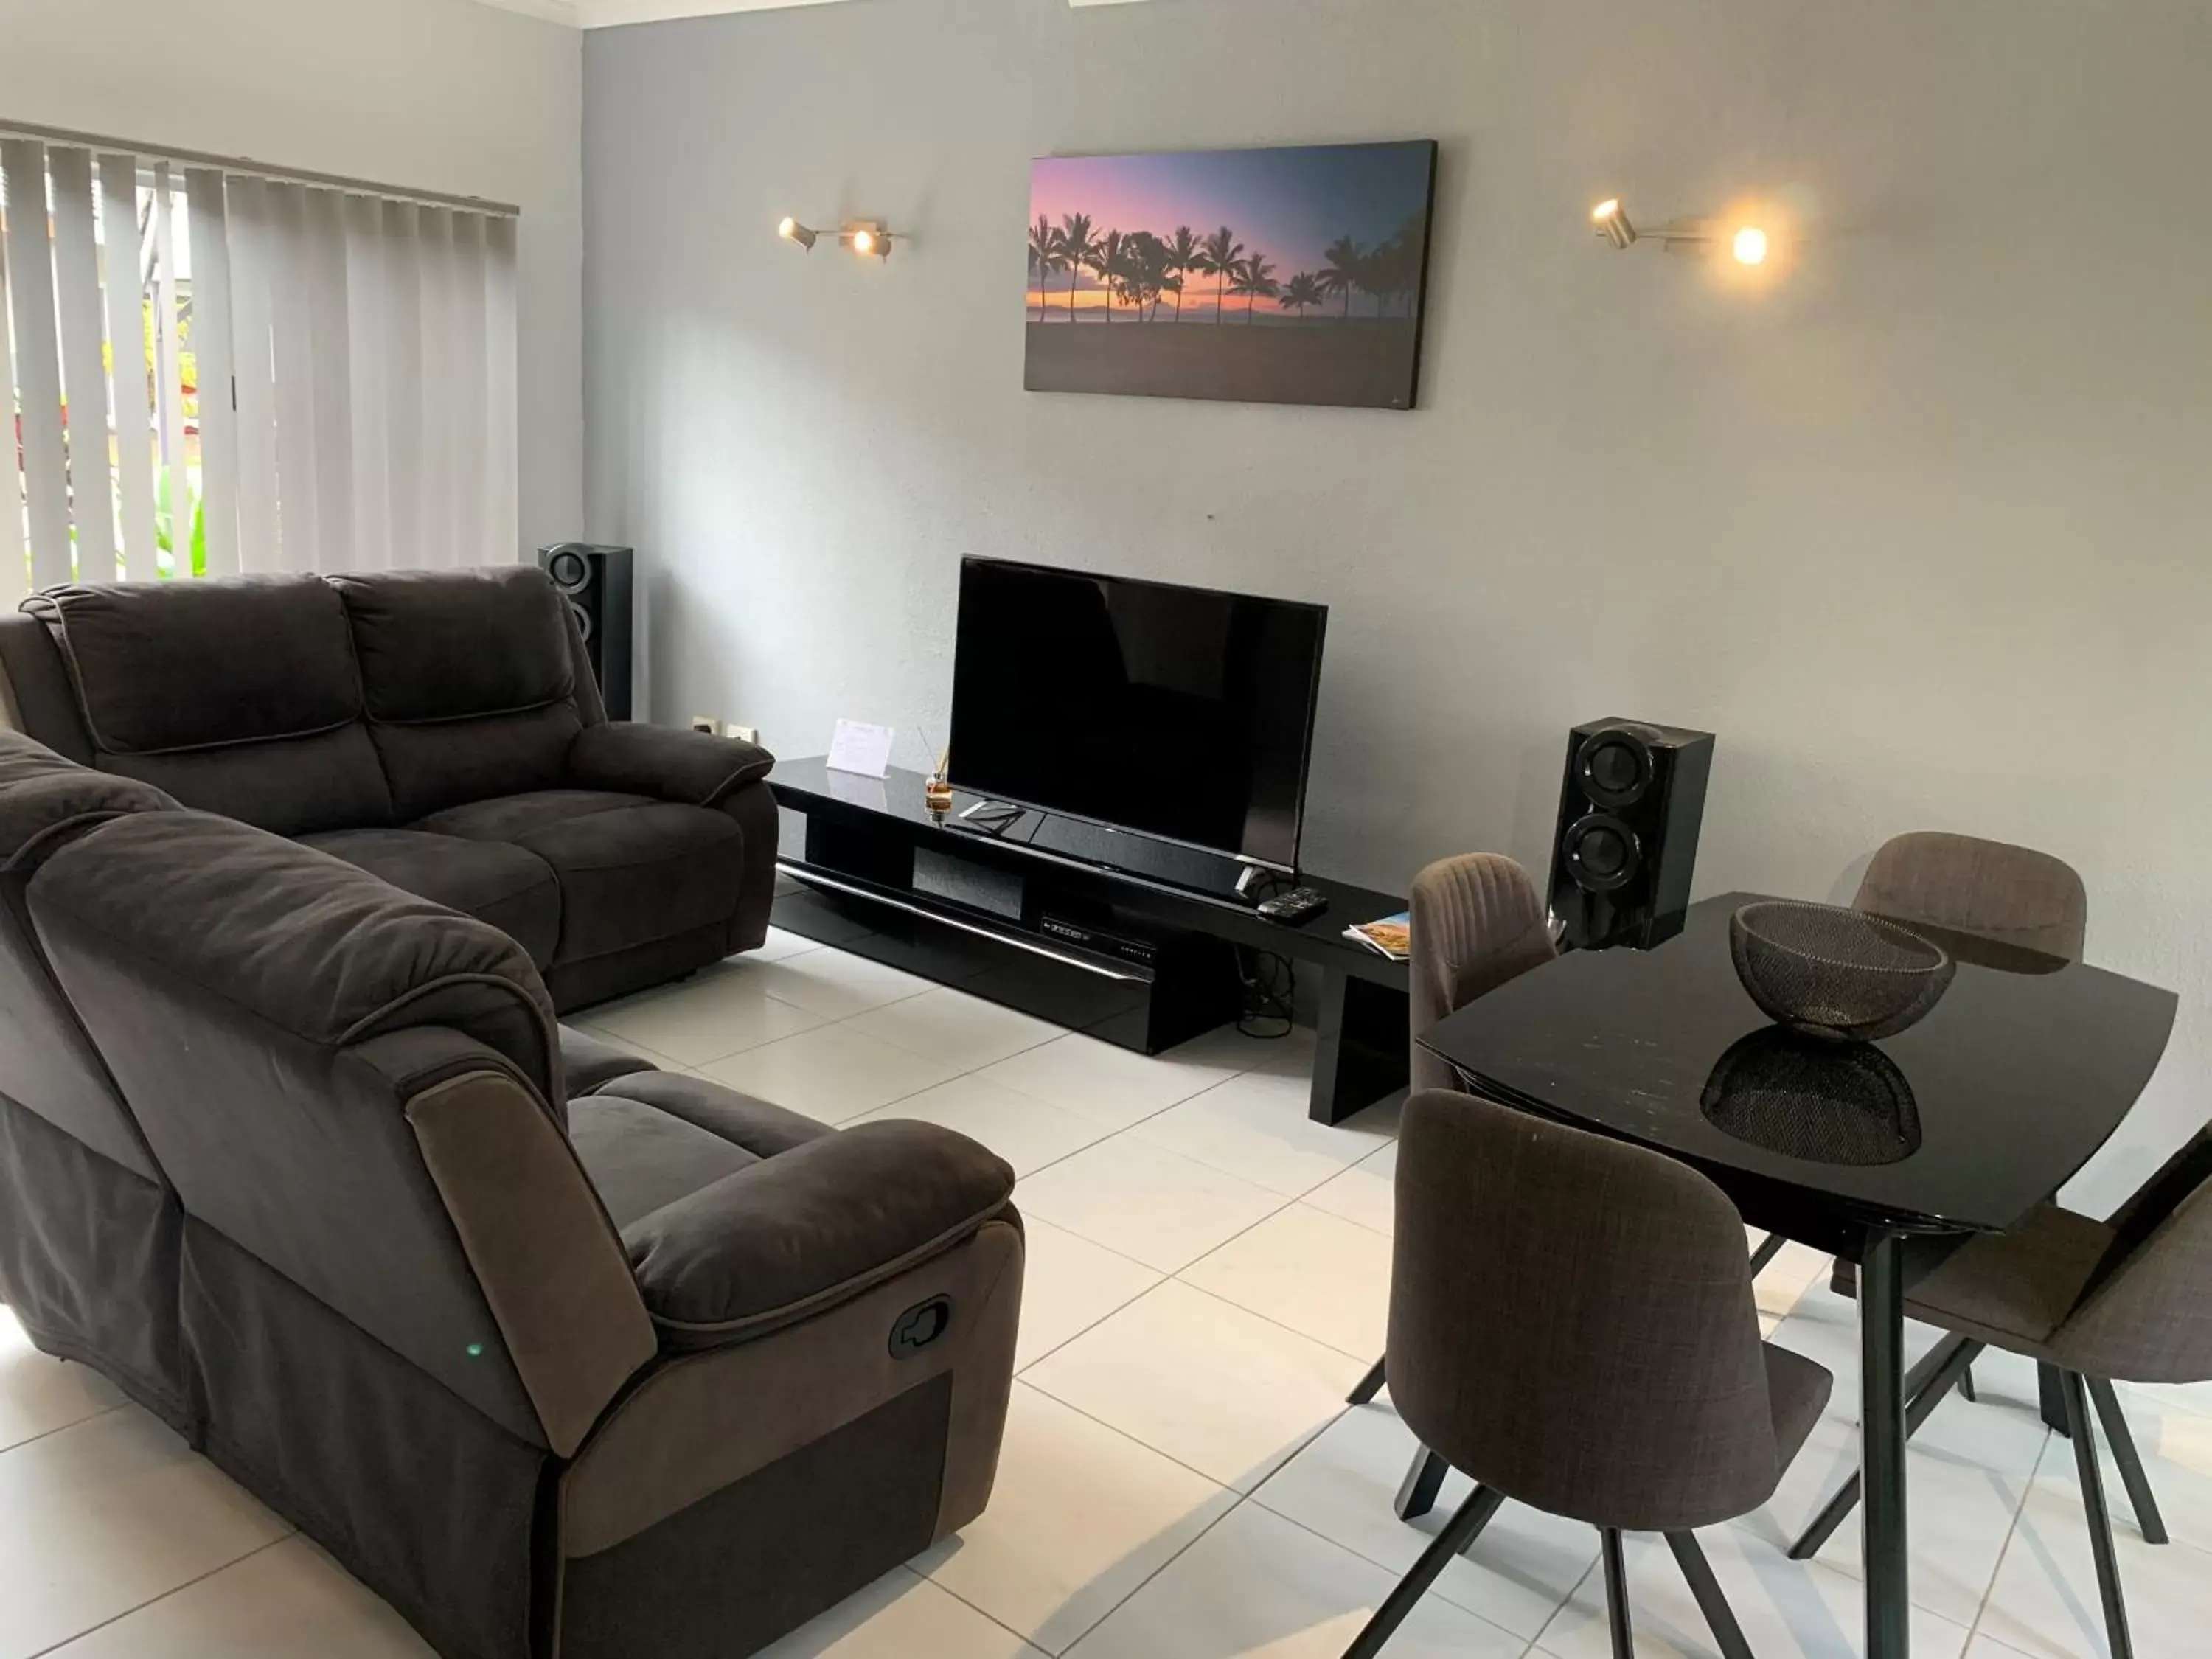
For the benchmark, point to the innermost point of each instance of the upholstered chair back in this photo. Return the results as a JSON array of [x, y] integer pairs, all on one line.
[[2014, 894], [1571, 1321], [1476, 923]]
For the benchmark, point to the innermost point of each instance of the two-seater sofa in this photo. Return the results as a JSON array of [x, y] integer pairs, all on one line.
[[566, 1356], [439, 729]]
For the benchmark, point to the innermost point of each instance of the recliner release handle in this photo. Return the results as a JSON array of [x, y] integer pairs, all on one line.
[[920, 1326]]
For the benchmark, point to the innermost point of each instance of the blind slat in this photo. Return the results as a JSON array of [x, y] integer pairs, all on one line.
[[435, 232], [463, 375], [126, 344], [252, 368], [212, 353], [402, 382], [84, 369], [503, 468], [367, 313], [169, 367], [38, 361], [298, 518], [15, 540], [323, 251]]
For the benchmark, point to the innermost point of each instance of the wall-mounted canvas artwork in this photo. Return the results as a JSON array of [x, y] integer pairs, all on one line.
[[1259, 275]]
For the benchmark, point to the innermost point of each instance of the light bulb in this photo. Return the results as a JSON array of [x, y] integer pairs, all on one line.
[[791, 231], [1750, 245], [1605, 211], [864, 242]]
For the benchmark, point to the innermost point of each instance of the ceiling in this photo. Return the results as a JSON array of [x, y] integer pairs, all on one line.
[[607, 14]]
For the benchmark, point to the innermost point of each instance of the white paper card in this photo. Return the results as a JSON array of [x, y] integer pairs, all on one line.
[[861, 749]]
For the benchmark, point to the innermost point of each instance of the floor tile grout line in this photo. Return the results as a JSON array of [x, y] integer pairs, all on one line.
[[62, 1428], [290, 1534], [1124, 1433], [1398, 1573], [981, 1612], [1996, 1571], [1226, 1302]]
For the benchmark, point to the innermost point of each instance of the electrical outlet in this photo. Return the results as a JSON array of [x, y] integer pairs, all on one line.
[[743, 733], [706, 723]]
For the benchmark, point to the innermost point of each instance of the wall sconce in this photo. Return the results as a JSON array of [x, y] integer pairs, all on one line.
[[867, 237], [1747, 243]]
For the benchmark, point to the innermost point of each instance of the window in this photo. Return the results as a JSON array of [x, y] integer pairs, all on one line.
[[212, 370]]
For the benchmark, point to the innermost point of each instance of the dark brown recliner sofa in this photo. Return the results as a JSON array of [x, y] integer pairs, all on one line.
[[440, 729], [89, 1226], [567, 1359]]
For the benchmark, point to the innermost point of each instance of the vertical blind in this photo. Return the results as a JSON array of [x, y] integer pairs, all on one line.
[[211, 371]]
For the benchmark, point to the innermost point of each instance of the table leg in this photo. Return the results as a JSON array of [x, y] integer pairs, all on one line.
[[2051, 1398], [1882, 1447]]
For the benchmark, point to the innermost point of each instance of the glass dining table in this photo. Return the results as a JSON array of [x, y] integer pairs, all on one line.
[[1886, 1154]]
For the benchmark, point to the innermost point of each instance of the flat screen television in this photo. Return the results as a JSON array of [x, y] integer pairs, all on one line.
[[1175, 712]]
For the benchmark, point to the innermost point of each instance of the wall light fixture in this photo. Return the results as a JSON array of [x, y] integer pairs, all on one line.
[[867, 237], [1747, 243]]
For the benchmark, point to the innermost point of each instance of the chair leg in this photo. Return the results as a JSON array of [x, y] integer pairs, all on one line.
[[1370, 1386], [1935, 1376], [1769, 1247], [1966, 1388], [1616, 1594], [1425, 1479], [1707, 1589], [2099, 1517], [1467, 1522], [2148, 1521]]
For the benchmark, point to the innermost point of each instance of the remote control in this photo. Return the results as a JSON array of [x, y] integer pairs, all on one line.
[[1295, 908]]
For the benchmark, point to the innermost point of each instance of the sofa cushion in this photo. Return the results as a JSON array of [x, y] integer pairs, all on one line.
[[442, 644], [640, 1158], [446, 763], [632, 869], [589, 1064], [817, 1224], [515, 890], [158, 667], [40, 794], [312, 946], [287, 786]]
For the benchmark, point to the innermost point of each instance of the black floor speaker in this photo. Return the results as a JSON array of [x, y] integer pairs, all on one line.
[[595, 580], [1629, 808]]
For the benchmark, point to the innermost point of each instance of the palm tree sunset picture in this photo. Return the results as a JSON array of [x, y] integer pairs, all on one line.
[[1256, 275]]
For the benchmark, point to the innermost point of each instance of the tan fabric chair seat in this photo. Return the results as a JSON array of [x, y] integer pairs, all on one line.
[[2012, 1292]]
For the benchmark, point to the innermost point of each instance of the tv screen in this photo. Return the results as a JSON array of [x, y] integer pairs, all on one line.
[[1176, 711]]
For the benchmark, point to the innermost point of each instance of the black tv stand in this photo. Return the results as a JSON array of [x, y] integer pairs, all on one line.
[[1131, 939]]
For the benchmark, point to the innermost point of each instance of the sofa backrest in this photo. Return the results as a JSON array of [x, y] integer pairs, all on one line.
[[238, 696], [359, 1088], [302, 703], [47, 1064], [467, 678]]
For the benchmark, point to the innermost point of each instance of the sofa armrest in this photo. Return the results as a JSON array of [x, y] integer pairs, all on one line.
[[810, 1228], [691, 766]]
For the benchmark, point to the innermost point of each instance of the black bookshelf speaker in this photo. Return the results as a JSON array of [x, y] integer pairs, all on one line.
[[595, 580], [1630, 809]]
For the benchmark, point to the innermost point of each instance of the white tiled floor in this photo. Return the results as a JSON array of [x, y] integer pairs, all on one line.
[[1207, 1277]]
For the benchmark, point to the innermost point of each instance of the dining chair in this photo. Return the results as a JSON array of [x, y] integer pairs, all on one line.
[[1989, 889], [1475, 921], [1572, 1325], [2098, 1301]]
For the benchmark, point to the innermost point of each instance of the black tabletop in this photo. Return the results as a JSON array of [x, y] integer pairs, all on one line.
[[1967, 1121]]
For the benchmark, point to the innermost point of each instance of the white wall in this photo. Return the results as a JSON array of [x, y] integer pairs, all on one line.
[[1920, 528], [446, 95]]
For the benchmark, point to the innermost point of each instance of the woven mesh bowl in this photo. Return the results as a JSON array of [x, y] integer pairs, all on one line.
[[1830, 972], [1831, 1102]]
